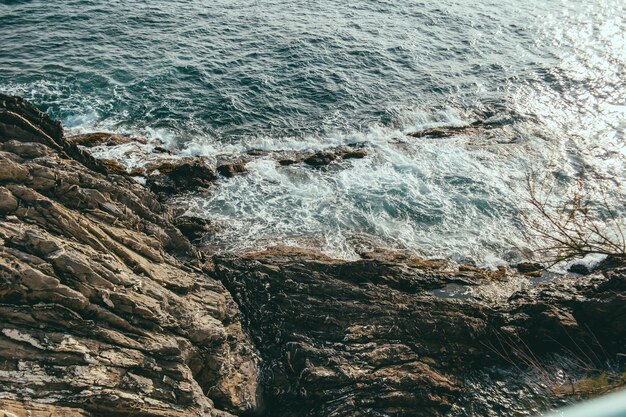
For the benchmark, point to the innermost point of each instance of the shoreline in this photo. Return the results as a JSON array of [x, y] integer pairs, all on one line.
[[109, 308]]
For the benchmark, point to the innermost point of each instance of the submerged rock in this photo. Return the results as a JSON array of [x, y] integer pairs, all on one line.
[[490, 123], [325, 157], [447, 131], [580, 268], [529, 267], [320, 158]]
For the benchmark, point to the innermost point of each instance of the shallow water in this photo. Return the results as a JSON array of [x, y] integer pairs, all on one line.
[[224, 77]]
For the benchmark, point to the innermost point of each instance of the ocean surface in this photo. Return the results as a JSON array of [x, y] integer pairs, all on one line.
[[223, 77]]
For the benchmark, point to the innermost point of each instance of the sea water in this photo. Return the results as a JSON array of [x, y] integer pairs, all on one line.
[[223, 77]]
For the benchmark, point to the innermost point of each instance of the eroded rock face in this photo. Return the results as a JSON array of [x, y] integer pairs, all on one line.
[[105, 306], [370, 338]]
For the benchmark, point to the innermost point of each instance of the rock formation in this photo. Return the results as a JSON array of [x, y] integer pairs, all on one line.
[[108, 309], [105, 307], [371, 338]]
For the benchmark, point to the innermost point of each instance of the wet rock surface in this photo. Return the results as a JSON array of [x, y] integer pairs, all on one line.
[[230, 169], [491, 123], [322, 158], [104, 305], [103, 138], [189, 174]]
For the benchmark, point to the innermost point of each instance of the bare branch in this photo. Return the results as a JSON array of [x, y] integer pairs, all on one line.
[[575, 228]]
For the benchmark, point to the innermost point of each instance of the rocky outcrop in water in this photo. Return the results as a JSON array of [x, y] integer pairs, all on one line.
[[491, 124], [105, 308], [108, 309]]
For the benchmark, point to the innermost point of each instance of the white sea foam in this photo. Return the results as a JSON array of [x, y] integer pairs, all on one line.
[[443, 197], [455, 197]]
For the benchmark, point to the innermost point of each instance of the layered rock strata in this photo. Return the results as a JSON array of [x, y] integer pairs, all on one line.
[[387, 337], [105, 308]]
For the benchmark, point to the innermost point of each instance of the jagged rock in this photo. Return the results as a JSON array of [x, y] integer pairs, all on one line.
[[160, 149], [193, 227], [8, 203], [579, 268], [325, 157], [447, 131], [103, 138], [287, 162], [528, 267], [104, 307], [490, 123], [370, 337], [356, 154], [230, 169], [320, 158], [178, 176]]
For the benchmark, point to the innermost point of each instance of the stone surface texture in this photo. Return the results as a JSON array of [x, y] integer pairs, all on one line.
[[104, 305]]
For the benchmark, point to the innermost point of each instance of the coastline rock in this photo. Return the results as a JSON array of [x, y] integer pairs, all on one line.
[[365, 338], [320, 158], [325, 157], [579, 268], [168, 178], [447, 131], [356, 154], [529, 267], [230, 169], [193, 227], [103, 139], [489, 121], [105, 308]]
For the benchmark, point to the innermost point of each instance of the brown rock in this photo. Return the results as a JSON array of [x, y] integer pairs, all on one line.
[[8, 203], [320, 159], [369, 337], [231, 169], [177, 176], [103, 138], [356, 154], [104, 308], [287, 162], [526, 267]]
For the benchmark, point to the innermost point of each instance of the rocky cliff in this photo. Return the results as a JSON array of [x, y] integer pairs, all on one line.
[[104, 305], [107, 309]]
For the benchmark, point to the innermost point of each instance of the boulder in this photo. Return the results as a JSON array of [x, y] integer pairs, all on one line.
[[230, 169]]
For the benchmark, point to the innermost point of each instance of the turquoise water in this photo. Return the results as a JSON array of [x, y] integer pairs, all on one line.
[[223, 77]]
